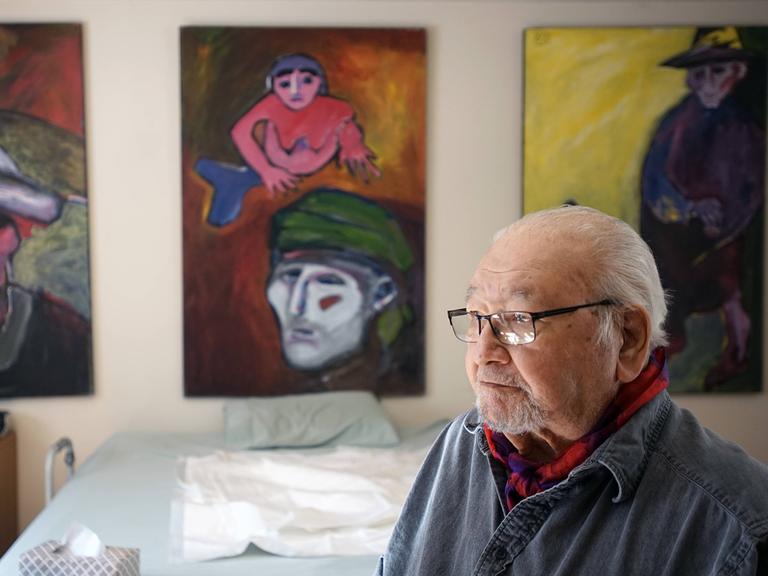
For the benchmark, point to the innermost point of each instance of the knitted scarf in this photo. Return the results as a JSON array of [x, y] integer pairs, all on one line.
[[527, 478]]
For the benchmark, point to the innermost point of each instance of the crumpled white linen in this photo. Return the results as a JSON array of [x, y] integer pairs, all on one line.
[[342, 502]]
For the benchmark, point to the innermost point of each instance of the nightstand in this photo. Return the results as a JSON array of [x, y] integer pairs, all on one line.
[[8, 492]]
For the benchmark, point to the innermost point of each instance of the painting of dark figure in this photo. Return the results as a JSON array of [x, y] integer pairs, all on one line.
[[703, 189], [665, 128]]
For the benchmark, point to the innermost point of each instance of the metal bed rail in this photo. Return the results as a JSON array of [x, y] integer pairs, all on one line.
[[69, 460]]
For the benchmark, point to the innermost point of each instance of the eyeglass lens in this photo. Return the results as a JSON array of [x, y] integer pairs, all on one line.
[[510, 327]]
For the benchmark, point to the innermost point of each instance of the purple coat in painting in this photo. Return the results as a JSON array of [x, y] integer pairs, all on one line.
[[704, 160]]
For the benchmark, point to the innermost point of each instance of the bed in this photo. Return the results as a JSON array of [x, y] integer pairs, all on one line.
[[124, 490]]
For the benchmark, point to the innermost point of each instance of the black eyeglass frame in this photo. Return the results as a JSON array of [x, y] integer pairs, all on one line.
[[533, 315]]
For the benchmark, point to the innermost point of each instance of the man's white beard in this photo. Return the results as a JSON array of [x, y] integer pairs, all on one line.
[[513, 417]]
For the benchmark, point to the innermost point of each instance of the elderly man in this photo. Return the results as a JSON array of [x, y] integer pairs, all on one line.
[[575, 459]]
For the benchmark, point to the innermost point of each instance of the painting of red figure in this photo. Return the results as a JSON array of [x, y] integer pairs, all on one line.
[[303, 209], [45, 341]]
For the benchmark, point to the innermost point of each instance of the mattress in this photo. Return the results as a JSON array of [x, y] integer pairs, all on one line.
[[123, 493]]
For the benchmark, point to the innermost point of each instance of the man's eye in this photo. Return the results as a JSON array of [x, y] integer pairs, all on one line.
[[309, 79], [284, 83], [290, 276], [514, 317], [330, 279]]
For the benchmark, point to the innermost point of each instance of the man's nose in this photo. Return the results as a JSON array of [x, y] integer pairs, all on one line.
[[294, 83], [709, 79], [298, 303], [488, 349]]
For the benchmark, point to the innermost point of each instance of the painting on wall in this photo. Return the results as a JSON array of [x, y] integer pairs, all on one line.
[[45, 341], [303, 175], [665, 128]]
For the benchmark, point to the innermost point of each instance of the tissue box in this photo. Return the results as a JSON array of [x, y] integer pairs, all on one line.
[[50, 559]]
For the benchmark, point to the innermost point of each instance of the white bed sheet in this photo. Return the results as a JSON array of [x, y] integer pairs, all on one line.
[[336, 502], [123, 492]]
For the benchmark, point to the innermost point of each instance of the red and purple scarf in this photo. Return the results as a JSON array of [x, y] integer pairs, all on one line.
[[527, 478]]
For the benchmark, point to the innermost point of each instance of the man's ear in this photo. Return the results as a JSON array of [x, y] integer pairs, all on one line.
[[384, 291], [740, 68], [635, 341]]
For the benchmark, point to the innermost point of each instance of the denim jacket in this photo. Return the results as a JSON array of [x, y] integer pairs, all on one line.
[[661, 496]]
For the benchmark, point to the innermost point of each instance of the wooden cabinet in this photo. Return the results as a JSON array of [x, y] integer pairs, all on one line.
[[8, 492]]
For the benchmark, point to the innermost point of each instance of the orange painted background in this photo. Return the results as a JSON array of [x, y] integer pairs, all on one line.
[[231, 336]]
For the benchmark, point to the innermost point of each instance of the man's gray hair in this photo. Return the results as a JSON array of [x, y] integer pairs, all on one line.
[[626, 271]]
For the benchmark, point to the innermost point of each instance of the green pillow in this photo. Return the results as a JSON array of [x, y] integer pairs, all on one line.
[[328, 418]]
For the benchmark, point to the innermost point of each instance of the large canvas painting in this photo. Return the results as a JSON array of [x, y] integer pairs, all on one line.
[[45, 340], [303, 210], [665, 128]]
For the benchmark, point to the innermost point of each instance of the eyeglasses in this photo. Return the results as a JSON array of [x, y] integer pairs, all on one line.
[[511, 327]]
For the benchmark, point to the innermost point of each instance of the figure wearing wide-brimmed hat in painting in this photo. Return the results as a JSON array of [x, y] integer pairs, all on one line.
[[702, 187], [45, 342]]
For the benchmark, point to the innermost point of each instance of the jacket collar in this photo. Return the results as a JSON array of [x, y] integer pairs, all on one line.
[[625, 453]]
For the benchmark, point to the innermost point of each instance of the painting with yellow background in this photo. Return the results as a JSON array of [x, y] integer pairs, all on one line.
[[665, 129]]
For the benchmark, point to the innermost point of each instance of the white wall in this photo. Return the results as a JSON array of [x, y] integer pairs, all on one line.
[[133, 127]]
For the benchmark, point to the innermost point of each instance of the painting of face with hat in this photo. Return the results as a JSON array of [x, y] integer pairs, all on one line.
[[714, 65], [665, 128], [45, 329], [303, 178], [336, 260]]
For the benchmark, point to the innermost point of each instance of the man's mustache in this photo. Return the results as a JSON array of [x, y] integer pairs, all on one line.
[[502, 377]]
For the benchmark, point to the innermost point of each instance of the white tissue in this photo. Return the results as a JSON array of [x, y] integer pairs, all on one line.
[[81, 541]]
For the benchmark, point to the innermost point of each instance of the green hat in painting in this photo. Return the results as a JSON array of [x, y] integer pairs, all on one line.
[[711, 45], [332, 219], [357, 228]]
